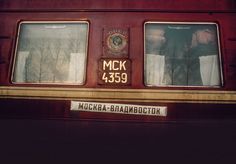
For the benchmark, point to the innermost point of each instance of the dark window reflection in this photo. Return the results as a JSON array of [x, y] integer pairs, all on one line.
[[181, 54]]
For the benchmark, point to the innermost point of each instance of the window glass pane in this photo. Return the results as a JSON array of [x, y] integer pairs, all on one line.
[[181, 54], [51, 53]]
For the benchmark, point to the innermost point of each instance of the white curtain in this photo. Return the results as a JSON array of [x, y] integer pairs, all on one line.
[[154, 69], [77, 68], [19, 75], [209, 68]]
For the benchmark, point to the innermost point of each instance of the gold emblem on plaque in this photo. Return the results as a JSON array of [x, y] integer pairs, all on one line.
[[116, 43]]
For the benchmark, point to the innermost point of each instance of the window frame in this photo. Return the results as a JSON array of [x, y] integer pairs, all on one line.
[[50, 83], [221, 77]]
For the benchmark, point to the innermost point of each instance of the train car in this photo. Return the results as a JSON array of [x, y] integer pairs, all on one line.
[[144, 60], [117, 81], [123, 60]]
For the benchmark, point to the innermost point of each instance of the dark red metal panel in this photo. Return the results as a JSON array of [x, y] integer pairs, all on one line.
[[40, 127], [163, 5], [131, 15]]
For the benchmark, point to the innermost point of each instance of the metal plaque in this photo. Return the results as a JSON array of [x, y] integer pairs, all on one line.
[[119, 108], [114, 71]]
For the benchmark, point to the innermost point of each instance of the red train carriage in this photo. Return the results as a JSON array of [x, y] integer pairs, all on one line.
[[121, 81], [118, 60]]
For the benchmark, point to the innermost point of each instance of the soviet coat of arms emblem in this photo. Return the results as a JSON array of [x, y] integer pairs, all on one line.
[[116, 43]]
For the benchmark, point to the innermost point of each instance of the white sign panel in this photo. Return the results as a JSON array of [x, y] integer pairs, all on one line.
[[119, 108]]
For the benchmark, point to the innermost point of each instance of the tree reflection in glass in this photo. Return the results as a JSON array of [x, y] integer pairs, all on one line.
[[51, 53]]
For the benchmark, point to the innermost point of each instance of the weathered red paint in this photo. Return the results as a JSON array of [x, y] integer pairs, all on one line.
[[108, 14]]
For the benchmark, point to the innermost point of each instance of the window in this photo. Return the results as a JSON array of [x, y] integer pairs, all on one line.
[[181, 54], [51, 53]]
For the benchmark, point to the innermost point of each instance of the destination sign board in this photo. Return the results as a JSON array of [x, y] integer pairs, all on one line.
[[119, 108]]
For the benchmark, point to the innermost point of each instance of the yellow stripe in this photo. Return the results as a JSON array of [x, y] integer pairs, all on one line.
[[125, 95]]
